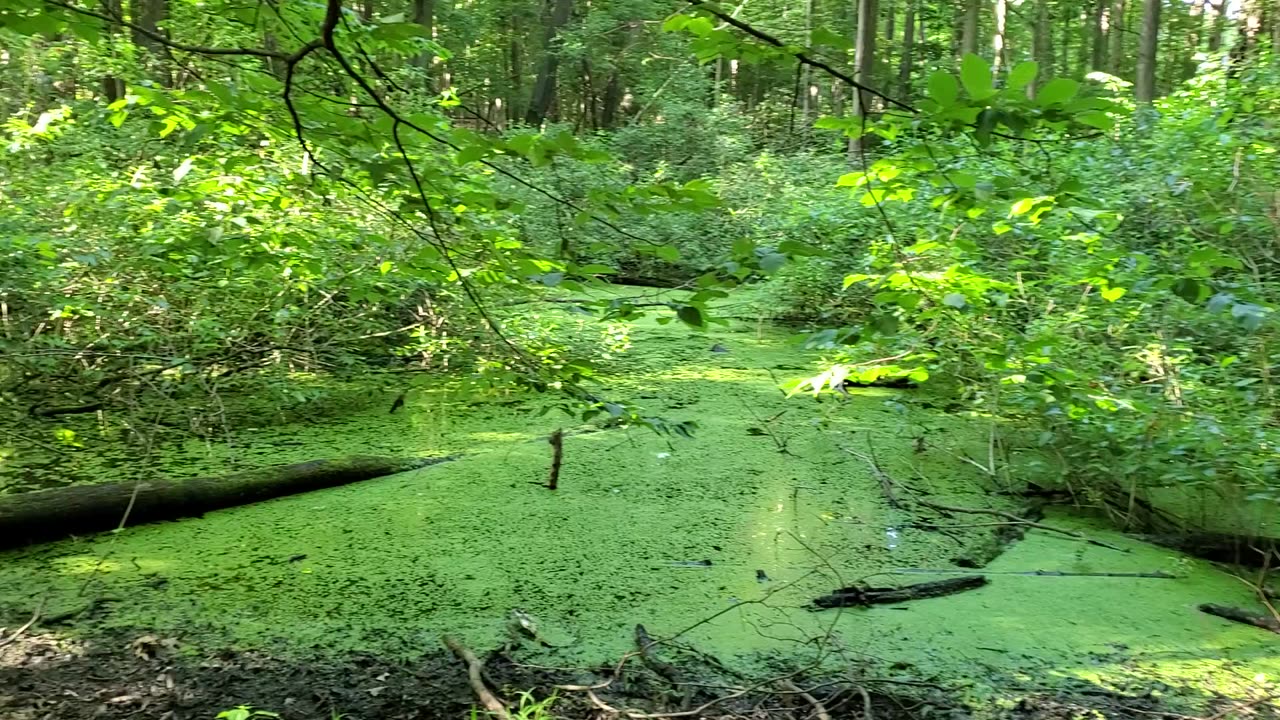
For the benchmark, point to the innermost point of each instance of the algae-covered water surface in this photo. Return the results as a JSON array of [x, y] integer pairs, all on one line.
[[772, 503]]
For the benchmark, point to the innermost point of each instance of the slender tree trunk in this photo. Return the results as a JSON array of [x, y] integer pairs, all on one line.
[[1041, 46], [1250, 28], [908, 48], [1115, 36], [424, 14], [864, 64], [1067, 29], [147, 15], [515, 80], [890, 36], [1098, 27], [806, 78], [544, 88], [999, 38], [1145, 82], [112, 87], [969, 28]]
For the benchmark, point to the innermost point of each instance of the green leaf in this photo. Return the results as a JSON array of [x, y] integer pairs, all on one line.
[[1113, 294], [676, 22], [1058, 90], [975, 74], [1022, 74], [1096, 119], [385, 267], [773, 262], [667, 252], [692, 316], [943, 88], [955, 300], [1022, 207], [823, 36]]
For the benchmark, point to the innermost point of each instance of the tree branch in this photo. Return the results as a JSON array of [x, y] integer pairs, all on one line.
[[800, 56]]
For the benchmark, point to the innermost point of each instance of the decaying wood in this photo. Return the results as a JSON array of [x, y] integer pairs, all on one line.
[[1020, 521], [475, 676], [59, 512], [858, 595], [1242, 616]]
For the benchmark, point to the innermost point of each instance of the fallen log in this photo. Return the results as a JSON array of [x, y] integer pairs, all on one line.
[[56, 513], [858, 595], [1266, 622]]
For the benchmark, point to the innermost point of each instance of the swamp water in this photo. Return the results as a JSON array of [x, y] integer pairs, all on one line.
[[648, 530]]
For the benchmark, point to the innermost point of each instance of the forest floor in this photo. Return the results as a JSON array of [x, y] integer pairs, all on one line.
[[335, 602]]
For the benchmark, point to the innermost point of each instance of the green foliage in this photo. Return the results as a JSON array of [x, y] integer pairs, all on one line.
[[245, 712]]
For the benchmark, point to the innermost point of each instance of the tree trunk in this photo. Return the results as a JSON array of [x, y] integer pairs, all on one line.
[[112, 87], [1098, 30], [544, 88], [424, 14], [1067, 29], [864, 64], [1145, 82], [1216, 18], [77, 510], [515, 89], [1041, 46], [807, 94], [1116, 37], [969, 28], [147, 16], [1250, 28], [998, 40], [908, 48]]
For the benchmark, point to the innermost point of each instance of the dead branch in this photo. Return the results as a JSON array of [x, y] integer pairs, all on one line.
[[886, 482], [1020, 521], [1242, 616], [35, 617], [819, 710], [474, 675]]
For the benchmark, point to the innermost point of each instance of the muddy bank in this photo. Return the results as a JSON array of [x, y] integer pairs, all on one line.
[[43, 676]]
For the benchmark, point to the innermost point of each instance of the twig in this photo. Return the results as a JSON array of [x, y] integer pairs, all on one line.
[[819, 710], [886, 482], [474, 670], [35, 617], [1021, 521]]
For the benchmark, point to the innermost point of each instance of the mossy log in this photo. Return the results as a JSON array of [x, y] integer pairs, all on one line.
[[51, 514]]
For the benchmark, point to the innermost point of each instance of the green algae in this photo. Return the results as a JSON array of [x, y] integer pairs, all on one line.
[[388, 565]]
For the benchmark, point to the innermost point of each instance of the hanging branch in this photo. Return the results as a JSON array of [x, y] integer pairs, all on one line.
[[800, 56]]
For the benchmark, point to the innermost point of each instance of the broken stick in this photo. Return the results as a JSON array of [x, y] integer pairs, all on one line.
[[1020, 521], [475, 670], [557, 455]]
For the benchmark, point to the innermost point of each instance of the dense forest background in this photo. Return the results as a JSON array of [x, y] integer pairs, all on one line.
[[1063, 213]]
